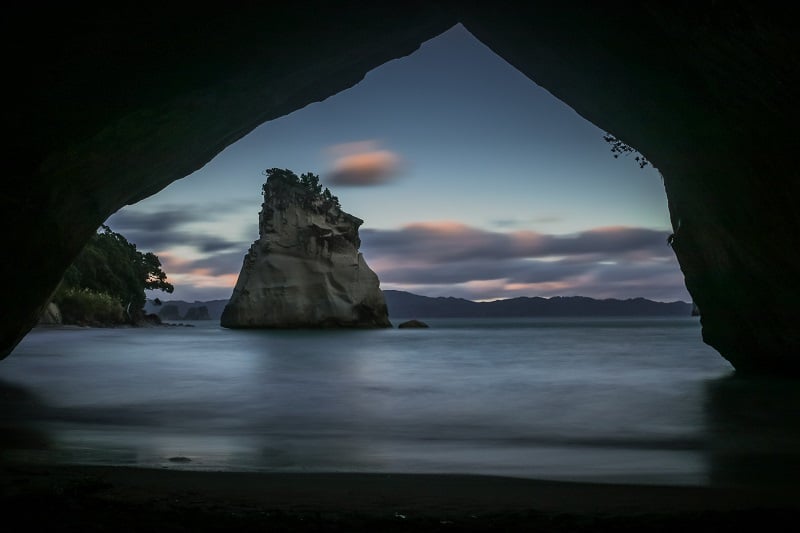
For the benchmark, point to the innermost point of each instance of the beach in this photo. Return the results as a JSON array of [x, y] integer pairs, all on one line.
[[106, 498]]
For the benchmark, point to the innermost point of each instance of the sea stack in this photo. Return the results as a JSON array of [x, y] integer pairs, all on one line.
[[305, 270]]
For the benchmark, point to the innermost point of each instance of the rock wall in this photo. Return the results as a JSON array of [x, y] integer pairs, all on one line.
[[51, 315], [305, 269]]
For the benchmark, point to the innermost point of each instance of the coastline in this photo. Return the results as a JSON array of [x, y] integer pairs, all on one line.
[[67, 497]]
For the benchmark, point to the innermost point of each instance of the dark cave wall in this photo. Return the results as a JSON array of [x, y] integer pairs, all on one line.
[[706, 92], [111, 106]]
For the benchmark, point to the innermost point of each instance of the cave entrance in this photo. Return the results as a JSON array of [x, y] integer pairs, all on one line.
[[473, 182]]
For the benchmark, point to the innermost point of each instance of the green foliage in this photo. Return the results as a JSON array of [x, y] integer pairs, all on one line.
[[280, 176], [83, 306], [110, 265], [311, 182], [620, 148], [308, 181]]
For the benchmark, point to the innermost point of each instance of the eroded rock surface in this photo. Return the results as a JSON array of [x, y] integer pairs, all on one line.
[[305, 269]]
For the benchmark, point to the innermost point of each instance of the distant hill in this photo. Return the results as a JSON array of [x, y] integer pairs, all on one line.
[[406, 304], [403, 304], [214, 307]]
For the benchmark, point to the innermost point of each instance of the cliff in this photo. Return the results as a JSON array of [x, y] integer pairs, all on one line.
[[305, 269]]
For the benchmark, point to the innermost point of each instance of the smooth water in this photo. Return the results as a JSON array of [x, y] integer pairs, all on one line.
[[620, 400]]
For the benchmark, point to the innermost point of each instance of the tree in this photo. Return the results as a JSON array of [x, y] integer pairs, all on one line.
[[308, 181], [311, 182], [619, 148], [283, 176], [111, 265]]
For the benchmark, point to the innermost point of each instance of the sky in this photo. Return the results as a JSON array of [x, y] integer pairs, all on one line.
[[472, 182]]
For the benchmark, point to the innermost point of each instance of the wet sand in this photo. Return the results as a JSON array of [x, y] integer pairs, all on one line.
[[95, 498]]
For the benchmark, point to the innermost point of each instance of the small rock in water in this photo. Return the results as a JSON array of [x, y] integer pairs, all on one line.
[[413, 324], [179, 459]]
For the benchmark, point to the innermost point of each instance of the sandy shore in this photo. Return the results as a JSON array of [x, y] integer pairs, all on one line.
[[93, 498]]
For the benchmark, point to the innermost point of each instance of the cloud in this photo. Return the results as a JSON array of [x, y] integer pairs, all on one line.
[[480, 270], [190, 293], [163, 220], [441, 242], [362, 163], [166, 228], [207, 278], [213, 265], [454, 259], [439, 258], [201, 279]]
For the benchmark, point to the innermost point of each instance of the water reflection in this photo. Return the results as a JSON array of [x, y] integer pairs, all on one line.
[[556, 401], [752, 436]]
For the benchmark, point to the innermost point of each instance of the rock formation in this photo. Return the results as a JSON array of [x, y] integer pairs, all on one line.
[[413, 324], [51, 315], [305, 269]]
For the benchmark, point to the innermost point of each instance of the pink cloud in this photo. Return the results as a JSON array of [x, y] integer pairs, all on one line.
[[203, 278], [362, 163], [451, 258]]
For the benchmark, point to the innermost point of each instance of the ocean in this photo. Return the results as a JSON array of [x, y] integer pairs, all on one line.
[[639, 400]]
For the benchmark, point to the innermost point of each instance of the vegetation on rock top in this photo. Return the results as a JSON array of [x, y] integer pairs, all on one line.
[[282, 180]]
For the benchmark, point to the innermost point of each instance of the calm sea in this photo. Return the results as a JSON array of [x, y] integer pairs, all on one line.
[[620, 400]]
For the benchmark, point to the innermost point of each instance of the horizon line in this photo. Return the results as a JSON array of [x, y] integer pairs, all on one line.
[[621, 299]]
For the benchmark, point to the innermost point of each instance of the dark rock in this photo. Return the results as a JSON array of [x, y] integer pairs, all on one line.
[[150, 319], [413, 324], [51, 315]]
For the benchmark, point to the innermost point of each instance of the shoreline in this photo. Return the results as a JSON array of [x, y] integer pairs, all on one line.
[[134, 498]]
